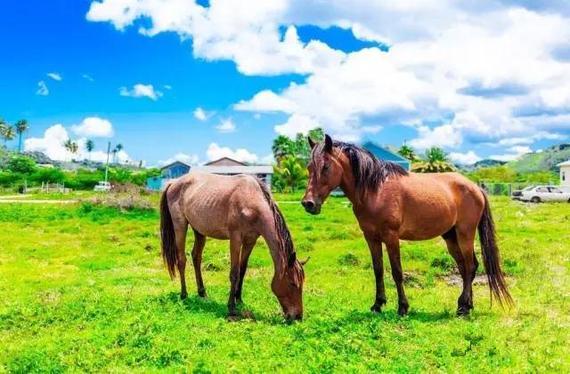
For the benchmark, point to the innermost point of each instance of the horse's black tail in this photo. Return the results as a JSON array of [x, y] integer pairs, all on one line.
[[167, 235], [283, 234], [491, 258]]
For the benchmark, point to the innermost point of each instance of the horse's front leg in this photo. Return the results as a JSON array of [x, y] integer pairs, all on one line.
[[375, 247], [393, 246], [245, 252], [235, 247]]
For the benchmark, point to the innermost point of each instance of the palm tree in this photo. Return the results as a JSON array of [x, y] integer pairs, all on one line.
[[7, 132], [3, 126], [89, 146], [118, 148], [436, 161], [21, 126], [407, 152], [71, 146], [290, 174], [282, 146]]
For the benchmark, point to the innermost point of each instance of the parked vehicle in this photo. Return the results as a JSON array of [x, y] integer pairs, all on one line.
[[102, 186], [537, 194]]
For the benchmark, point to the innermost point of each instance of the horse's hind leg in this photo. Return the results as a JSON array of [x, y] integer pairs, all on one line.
[[246, 250], [180, 229], [455, 252], [197, 249], [462, 249]]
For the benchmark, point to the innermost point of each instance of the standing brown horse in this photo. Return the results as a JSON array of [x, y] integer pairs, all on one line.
[[391, 204], [239, 208]]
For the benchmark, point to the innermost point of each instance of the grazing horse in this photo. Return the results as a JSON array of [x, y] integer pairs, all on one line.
[[239, 208], [391, 204]]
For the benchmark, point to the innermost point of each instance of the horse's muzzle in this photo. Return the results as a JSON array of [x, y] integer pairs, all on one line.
[[311, 207], [294, 317]]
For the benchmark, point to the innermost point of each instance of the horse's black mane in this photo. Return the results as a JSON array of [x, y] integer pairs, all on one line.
[[369, 172]]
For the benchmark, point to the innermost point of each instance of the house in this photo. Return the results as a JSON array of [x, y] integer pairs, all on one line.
[[386, 155], [173, 170], [229, 166], [223, 166], [564, 174]]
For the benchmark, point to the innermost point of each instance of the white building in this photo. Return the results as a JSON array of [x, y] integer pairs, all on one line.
[[564, 173]]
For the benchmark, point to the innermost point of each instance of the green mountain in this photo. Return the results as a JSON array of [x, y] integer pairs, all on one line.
[[542, 161]]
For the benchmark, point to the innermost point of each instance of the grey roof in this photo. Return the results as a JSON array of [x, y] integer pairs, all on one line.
[[565, 163], [167, 166], [251, 169]]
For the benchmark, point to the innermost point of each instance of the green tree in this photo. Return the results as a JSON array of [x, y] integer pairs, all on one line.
[[89, 146], [22, 165], [284, 146], [118, 148], [290, 175], [7, 132], [71, 146], [21, 127], [436, 161], [408, 152]]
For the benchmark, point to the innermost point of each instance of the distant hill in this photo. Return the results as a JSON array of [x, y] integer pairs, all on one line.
[[541, 161], [488, 163]]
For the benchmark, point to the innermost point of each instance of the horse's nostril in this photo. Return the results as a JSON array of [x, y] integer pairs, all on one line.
[[308, 204]]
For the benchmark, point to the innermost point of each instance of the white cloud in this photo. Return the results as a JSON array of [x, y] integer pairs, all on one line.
[[441, 136], [215, 152], [88, 77], [226, 125], [55, 76], [513, 153], [297, 123], [468, 158], [42, 89], [480, 65], [52, 142], [189, 159], [200, 114], [94, 127], [141, 90]]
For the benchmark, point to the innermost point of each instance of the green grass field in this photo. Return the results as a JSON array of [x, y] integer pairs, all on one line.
[[83, 288]]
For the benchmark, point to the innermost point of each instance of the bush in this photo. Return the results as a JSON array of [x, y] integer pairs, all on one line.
[[21, 164], [48, 175]]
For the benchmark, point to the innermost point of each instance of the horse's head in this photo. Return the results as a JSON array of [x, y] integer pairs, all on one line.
[[325, 174], [288, 287]]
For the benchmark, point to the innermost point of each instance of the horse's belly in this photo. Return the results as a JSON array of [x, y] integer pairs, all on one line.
[[427, 221], [208, 216]]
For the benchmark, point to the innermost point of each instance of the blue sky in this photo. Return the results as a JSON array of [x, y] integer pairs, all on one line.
[[261, 69]]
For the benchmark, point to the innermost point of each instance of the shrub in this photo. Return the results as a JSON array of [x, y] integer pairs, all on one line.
[[21, 164]]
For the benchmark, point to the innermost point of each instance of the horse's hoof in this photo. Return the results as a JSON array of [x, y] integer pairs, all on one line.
[[403, 310], [248, 314], [233, 318], [183, 295], [463, 311], [376, 308], [202, 293]]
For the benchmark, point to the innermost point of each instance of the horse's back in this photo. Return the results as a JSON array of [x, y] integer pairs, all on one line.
[[214, 204], [435, 203]]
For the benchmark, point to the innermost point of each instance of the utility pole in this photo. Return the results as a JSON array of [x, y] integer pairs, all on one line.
[[107, 165]]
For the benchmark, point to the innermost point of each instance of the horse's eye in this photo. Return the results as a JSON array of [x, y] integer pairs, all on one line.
[[326, 167]]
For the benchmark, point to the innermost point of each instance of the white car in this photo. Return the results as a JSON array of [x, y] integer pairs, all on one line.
[[102, 187], [537, 194]]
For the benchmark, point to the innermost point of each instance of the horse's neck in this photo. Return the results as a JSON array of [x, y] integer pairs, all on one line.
[[279, 258]]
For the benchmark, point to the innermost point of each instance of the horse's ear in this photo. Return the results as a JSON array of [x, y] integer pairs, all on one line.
[[328, 144], [311, 142], [292, 259]]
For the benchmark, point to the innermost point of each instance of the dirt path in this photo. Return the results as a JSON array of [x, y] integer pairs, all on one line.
[[27, 201]]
